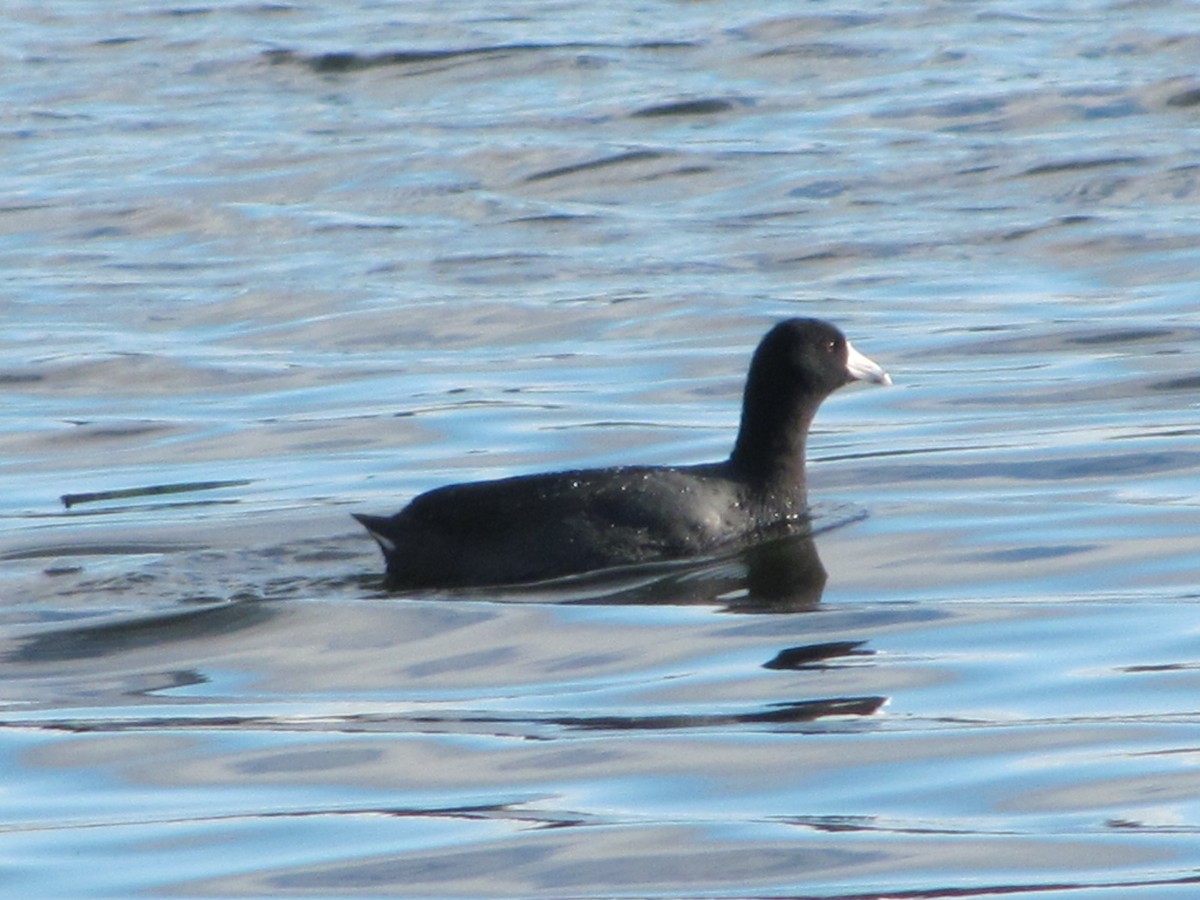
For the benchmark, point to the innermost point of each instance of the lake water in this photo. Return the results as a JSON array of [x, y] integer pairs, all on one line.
[[303, 260]]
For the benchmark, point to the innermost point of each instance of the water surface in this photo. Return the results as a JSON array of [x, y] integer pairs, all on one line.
[[297, 262]]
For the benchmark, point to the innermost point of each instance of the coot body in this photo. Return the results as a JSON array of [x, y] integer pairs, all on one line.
[[535, 527]]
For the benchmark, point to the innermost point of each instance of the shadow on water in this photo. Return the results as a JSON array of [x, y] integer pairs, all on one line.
[[106, 639], [783, 574]]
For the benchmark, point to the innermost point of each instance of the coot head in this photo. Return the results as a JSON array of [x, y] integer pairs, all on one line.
[[798, 364]]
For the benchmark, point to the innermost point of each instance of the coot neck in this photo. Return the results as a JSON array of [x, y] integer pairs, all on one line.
[[770, 446]]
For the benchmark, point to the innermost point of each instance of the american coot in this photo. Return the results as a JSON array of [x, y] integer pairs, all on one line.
[[536, 527]]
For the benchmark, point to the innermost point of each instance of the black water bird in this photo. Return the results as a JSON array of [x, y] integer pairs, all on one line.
[[536, 527]]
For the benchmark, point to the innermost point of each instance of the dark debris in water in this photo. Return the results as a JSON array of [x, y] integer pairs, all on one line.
[[69, 500]]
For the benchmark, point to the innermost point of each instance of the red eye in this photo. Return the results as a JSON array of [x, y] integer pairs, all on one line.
[[831, 346]]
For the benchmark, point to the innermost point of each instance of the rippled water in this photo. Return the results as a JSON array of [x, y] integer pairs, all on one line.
[[294, 262]]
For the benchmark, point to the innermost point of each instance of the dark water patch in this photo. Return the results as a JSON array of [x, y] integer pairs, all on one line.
[[151, 575], [679, 172], [1185, 99], [463, 662], [347, 61], [115, 548], [103, 232], [820, 50], [115, 638], [1114, 466], [1158, 433], [820, 190], [972, 107], [1120, 336], [618, 159], [1164, 667], [159, 265], [785, 27], [57, 571], [1060, 222], [1034, 553], [1082, 165], [1118, 109], [117, 41], [1186, 383], [559, 218], [700, 107], [975, 106], [1096, 467], [491, 269], [797, 712], [782, 713], [1067, 338], [17, 208], [862, 250], [980, 170], [816, 656], [321, 760], [362, 225], [187, 12]]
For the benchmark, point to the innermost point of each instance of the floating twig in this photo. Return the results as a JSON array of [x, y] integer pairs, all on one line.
[[70, 500]]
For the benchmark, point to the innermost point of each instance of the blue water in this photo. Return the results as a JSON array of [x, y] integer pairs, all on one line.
[[305, 261]]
